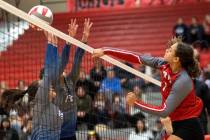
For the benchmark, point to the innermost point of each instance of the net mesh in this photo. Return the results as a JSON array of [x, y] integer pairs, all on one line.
[[98, 102]]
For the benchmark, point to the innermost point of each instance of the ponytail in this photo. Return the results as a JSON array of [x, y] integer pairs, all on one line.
[[187, 59]]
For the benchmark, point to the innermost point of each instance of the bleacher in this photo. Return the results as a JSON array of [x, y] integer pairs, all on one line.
[[143, 30]]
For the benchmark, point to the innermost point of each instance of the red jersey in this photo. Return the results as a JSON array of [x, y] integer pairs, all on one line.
[[190, 107], [179, 101]]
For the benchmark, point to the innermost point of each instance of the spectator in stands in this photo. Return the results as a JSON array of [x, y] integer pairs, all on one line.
[[157, 130], [200, 45], [207, 76], [137, 90], [100, 109], [196, 31], [202, 91], [3, 113], [26, 134], [81, 3], [91, 4], [181, 30], [9, 98], [124, 75], [92, 135], [98, 4], [117, 113], [141, 132], [111, 84], [206, 25], [6, 132], [89, 86], [134, 112], [117, 105], [97, 73], [15, 120], [84, 103], [152, 1], [3, 86], [21, 85]]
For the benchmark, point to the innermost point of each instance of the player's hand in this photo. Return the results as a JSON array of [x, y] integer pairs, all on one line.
[[131, 98], [86, 31], [97, 53], [55, 40], [72, 29], [48, 36], [35, 27], [167, 125], [52, 39]]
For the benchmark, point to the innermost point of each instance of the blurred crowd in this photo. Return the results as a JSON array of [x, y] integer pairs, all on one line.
[[100, 101], [196, 32], [86, 4]]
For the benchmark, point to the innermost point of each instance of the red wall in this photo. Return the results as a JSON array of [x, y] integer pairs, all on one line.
[[130, 3]]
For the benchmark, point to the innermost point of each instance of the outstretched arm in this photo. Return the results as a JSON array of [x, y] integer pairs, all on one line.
[[129, 56], [64, 58], [177, 94], [51, 60], [80, 52], [72, 30]]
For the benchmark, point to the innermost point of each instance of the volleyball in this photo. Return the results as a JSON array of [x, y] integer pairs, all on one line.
[[42, 12]]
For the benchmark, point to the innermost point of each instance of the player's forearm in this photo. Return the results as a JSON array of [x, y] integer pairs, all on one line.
[[76, 64], [160, 111], [50, 69], [123, 55], [154, 62], [134, 58], [49, 73], [64, 58], [180, 89], [44, 86], [51, 63]]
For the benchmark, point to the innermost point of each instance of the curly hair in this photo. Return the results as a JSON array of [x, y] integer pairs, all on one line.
[[187, 59], [186, 54]]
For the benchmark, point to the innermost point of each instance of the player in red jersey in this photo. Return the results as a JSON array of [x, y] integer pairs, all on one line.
[[179, 101]]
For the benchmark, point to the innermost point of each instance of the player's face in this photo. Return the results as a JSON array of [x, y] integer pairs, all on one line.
[[170, 54], [52, 93]]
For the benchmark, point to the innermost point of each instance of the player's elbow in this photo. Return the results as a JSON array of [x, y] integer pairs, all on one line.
[[164, 114]]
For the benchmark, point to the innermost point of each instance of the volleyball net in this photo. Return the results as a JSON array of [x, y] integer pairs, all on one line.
[[98, 94]]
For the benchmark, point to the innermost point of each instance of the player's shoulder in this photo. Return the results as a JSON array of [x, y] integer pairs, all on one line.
[[184, 78]]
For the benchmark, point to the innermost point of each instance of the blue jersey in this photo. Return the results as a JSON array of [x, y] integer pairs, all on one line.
[[69, 106]]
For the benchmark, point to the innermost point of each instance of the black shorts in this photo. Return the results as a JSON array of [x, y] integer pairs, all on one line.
[[189, 129]]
